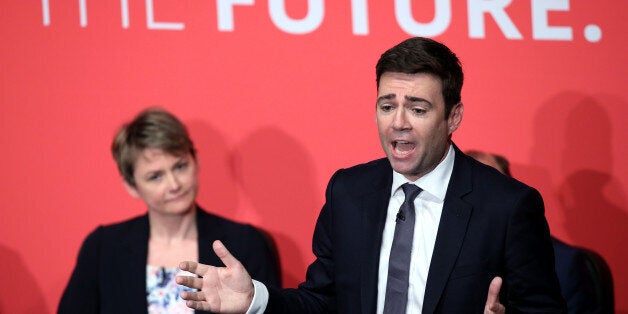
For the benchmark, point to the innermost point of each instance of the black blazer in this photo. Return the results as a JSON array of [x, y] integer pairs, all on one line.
[[110, 272], [490, 225], [576, 283]]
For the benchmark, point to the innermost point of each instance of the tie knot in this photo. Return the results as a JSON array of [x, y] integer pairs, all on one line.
[[410, 191]]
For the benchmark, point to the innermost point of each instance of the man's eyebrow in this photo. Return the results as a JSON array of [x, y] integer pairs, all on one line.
[[386, 97], [418, 99]]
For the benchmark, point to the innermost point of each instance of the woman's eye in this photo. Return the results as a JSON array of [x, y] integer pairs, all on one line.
[[154, 177]]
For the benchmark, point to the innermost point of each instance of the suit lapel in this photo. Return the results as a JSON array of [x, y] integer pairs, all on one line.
[[451, 232], [208, 231], [131, 265], [375, 205]]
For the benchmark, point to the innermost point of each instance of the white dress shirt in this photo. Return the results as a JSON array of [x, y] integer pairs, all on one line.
[[428, 206]]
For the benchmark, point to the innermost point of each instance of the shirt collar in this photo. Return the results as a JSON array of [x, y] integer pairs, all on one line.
[[434, 182]]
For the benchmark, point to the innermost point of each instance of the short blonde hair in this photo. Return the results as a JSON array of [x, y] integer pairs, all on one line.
[[151, 128]]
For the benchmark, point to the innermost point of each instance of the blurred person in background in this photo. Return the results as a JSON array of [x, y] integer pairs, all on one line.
[[576, 285], [131, 266]]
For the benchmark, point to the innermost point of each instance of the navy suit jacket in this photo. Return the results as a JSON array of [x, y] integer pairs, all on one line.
[[576, 283], [491, 225], [110, 272]]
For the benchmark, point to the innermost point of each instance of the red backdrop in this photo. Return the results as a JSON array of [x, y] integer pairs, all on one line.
[[278, 96]]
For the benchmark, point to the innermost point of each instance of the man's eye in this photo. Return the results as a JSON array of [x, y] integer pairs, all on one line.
[[418, 111], [385, 107]]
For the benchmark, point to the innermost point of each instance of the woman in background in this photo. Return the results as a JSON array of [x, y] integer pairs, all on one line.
[[130, 267]]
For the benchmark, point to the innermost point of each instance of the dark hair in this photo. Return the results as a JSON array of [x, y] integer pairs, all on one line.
[[151, 128], [502, 164], [424, 55]]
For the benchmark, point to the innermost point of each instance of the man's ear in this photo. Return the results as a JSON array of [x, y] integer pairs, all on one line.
[[455, 117], [130, 189]]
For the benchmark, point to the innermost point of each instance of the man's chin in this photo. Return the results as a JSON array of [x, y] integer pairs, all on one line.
[[403, 167]]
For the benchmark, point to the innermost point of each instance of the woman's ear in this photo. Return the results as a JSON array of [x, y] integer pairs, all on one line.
[[130, 189]]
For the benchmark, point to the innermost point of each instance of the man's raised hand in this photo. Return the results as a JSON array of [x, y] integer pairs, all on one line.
[[226, 289]]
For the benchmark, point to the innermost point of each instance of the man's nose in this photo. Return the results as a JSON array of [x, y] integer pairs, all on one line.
[[400, 121]]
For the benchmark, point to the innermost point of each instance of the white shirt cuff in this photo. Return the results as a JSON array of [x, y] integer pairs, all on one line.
[[260, 299]]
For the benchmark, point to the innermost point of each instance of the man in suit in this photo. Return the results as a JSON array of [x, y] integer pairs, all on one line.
[[576, 283], [472, 225]]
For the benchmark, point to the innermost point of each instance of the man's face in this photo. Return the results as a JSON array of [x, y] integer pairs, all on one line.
[[411, 122], [167, 184]]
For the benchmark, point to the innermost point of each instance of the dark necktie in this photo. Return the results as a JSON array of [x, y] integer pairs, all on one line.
[[399, 262]]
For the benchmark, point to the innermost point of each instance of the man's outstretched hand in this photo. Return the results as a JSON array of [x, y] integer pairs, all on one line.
[[226, 289], [230, 289]]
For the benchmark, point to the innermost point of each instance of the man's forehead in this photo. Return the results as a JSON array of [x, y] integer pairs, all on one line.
[[411, 87]]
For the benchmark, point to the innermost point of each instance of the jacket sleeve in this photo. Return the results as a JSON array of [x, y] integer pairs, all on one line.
[[81, 295], [576, 282], [530, 282]]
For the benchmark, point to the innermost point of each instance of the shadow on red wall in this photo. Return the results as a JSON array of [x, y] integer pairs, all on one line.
[[573, 141], [277, 175], [20, 292], [217, 189]]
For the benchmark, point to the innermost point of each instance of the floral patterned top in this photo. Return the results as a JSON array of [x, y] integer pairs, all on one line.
[[163, 293]]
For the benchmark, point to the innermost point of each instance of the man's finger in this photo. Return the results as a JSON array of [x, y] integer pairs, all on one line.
[[224, 255], [190, 282], [197, 305], [493, 294], [194, 267], [192, 296], [494, 287]]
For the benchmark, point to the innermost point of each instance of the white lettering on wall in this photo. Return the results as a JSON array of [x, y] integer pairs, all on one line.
[[593, 33], [124, 9], [83, 13], [496, 8], [313, 19], [442, 18], [225, 13], [151, 24], [478, 13], [45, 11], [360, 17], [540, 27]]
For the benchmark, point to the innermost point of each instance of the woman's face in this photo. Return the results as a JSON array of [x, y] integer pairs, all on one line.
[[168, 184]]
